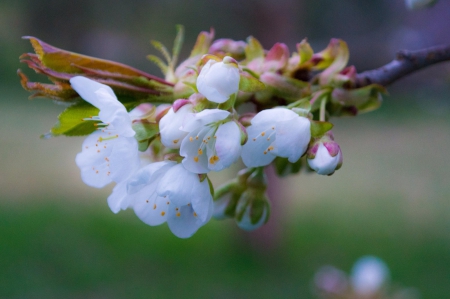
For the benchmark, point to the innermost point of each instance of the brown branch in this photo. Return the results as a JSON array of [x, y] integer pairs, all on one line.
[[405, 63]]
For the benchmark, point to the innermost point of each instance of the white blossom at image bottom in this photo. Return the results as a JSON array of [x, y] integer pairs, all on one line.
[[166, 192]]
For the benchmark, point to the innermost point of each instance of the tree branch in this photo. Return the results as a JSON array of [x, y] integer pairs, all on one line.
[[405, 63]]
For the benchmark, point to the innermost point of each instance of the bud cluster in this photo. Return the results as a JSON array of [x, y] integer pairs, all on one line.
[[158, 139]]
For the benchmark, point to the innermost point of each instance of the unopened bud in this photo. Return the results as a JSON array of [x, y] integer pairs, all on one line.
[[324, 155], [253, 208], [229, 47]]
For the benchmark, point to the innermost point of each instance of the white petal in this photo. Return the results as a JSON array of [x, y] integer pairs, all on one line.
[[102, 96], [202, 202], [151, 173], [118, 200], [293, 137], [124, 159], [205, 117], [151, 208], [179, 185], [255, 151], [323, 163], [273, 115], [93, 161], [227, 146], [170, 124], [194, 160], [103, 161], [182, 222]]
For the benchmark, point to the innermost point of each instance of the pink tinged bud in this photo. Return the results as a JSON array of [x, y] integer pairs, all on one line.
[[179, 103], [332, 148], [277, 58], [323, 163], [230, 47], [246, 119]]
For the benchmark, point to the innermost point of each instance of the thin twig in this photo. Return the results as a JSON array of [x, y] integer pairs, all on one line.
[[405, 63]]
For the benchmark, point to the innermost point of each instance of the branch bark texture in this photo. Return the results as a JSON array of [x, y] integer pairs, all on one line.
[[405, 63]]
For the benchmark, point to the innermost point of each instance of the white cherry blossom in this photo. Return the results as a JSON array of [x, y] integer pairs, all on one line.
[[276, 132], [167, 192], [170, 124], [213, 141], [217, 81], [110, 153]]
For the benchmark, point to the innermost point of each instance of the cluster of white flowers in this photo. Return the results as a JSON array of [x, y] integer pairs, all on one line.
[[176, 189]]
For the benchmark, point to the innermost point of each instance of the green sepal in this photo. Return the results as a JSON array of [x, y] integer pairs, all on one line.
[[304, 51], [211, 186], [71, 121], [365, 99], [253, 49], [302, 104], [203, 43], [319, 128], [191, 85], [248, 83], [143, 145], [228, 104], [144, 129], [284, 168]]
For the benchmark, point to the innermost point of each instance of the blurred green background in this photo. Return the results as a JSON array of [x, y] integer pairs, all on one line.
[[391, 198]]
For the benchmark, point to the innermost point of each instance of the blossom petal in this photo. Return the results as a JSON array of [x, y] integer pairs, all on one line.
[[255, 151], [182, 222], [147, 175], [273, 115], [202, 202], [170, 124], [118, 200], [179, 184], [112, 112], [151, 208], [205, 117], [227, 146], [195, 158], [293, 137]]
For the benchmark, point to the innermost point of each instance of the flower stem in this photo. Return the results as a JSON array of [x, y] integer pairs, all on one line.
[[322, 109]]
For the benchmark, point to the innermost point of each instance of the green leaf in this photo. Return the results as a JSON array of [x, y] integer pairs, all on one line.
[[202, 44], [177, 44], [159, 63], [71, 121], [318, 128], [248, 83], [304, 51], [253, 49], [162, 49]]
